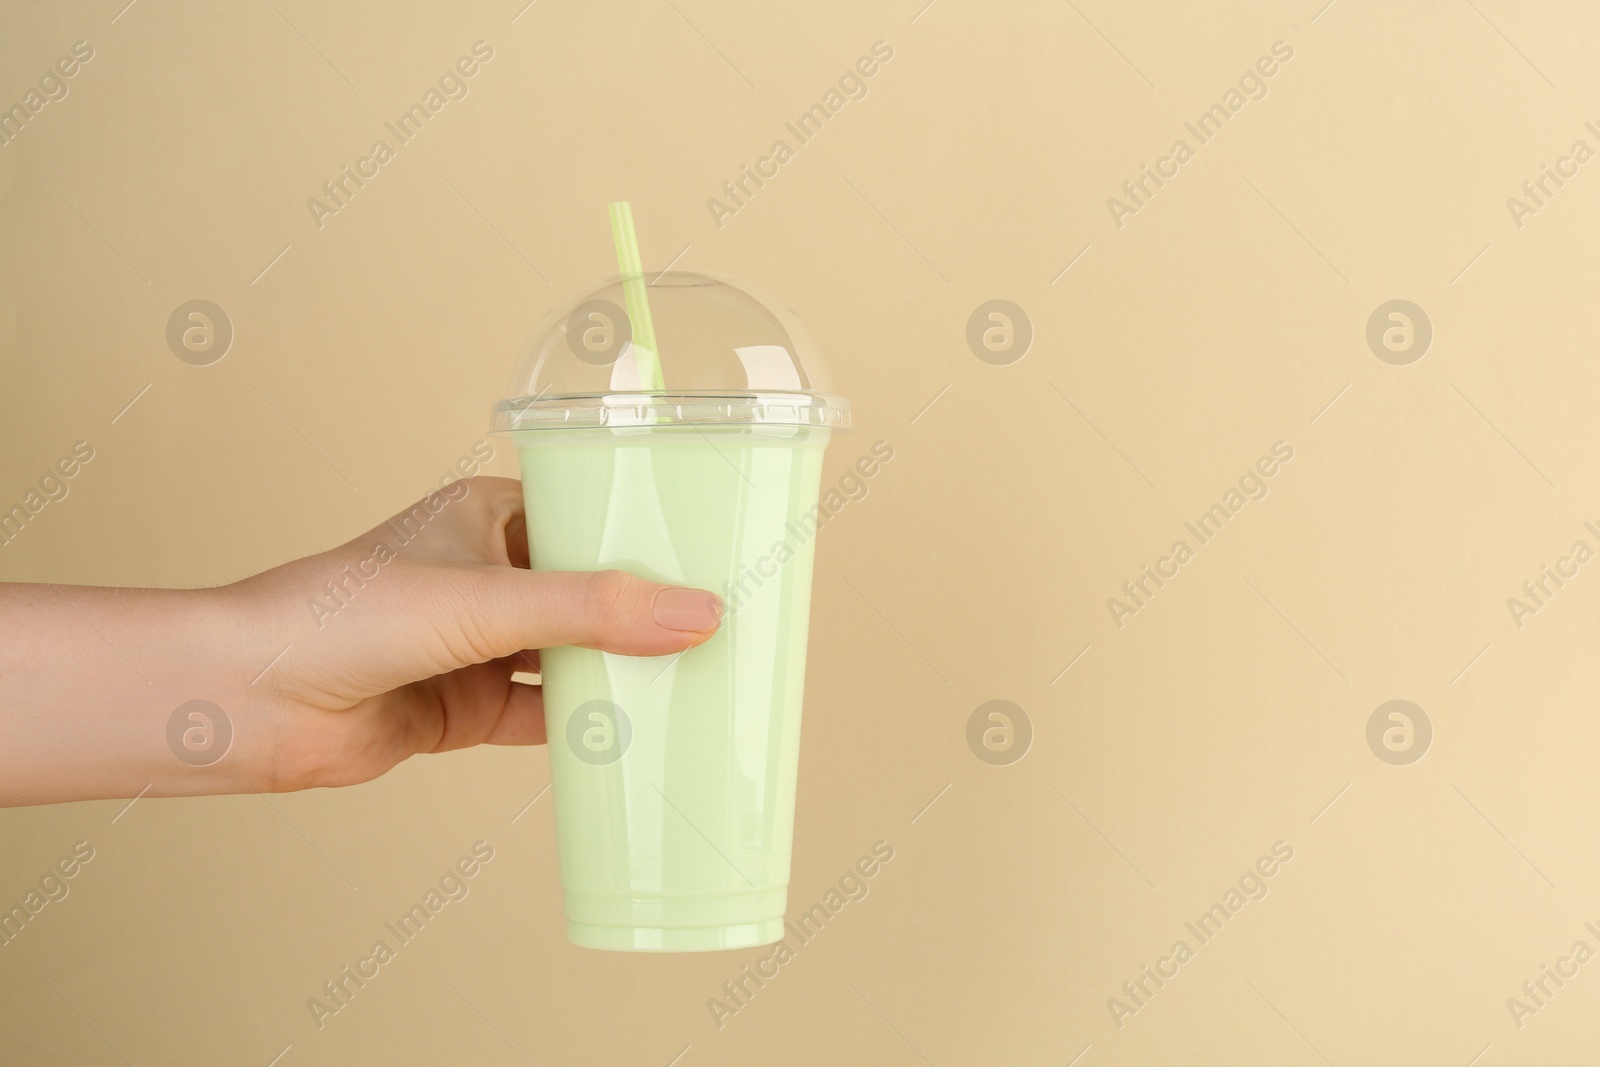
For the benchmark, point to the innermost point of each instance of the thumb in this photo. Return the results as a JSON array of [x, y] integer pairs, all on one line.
[[609, 610]]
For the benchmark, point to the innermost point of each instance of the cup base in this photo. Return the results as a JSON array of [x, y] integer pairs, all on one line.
[[675, 938]]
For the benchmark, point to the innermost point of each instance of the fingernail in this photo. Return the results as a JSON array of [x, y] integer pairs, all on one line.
[[687, 609]]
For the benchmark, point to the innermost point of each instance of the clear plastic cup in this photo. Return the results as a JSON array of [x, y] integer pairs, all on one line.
[[674, 776]]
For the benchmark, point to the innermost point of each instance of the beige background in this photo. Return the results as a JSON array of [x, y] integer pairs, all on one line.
[[1226, 315]]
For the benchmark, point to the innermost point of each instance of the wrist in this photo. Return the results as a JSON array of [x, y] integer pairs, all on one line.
[[238, 645]]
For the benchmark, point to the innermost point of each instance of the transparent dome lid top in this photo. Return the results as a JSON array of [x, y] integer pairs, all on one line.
[[701, 350]]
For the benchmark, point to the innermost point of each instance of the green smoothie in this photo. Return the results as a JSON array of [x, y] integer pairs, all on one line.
[[674, 776]]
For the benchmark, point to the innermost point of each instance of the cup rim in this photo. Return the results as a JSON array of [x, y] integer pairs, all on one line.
[[679, 407]]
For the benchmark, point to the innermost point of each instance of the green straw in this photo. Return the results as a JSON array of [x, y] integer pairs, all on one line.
[[635, 296]]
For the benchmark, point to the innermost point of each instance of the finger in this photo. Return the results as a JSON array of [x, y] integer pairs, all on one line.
[[521, 720], [471, 520], [477, 705], [502, 611]]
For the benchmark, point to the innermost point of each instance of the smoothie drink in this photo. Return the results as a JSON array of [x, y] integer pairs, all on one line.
[[674, 777], [676, 434]]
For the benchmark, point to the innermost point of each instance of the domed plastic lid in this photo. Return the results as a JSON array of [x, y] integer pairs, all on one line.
[[671, 348]]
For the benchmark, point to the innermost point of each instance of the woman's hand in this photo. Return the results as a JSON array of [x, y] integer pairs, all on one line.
[[328, 670]]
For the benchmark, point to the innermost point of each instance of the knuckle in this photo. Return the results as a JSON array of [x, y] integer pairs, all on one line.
[[614, 597]]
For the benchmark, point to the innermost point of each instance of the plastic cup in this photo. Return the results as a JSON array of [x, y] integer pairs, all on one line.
[[674, 777]]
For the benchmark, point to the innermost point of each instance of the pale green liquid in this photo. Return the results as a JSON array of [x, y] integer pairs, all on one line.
[[683, 841]]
